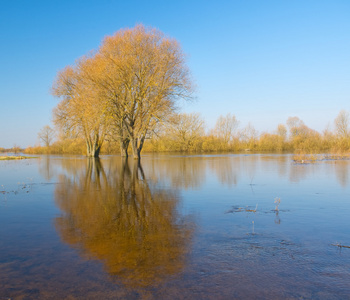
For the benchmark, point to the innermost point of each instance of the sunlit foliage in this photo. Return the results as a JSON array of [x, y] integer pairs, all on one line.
[[82, 109], [131, 84]]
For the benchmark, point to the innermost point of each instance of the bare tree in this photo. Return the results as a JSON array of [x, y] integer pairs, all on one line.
[[295, 126], [341, 123], [46, 135], [249, 135], [185, 130], [16, 149], [226, 127], [282, 131]]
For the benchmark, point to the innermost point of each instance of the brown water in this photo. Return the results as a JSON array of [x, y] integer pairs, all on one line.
[[174, 227]]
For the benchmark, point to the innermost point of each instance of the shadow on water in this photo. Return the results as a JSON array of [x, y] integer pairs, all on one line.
[[119, 218]]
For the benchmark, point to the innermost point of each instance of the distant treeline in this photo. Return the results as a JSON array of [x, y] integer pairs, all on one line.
[[14, 149], [186, 133]]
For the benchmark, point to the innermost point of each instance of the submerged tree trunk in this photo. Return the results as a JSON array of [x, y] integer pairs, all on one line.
[[124, 140], [136, 152], [93, 146], [93, 150], [124, 144], [137, 145]]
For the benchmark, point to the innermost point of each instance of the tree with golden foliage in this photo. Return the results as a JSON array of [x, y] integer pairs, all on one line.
[[146, 74], [83, 109], [132, 83]]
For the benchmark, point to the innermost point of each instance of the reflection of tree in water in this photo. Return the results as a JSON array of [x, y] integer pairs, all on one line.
[[342, 172], [120, 219], [227, 169], [250, 164], [276, 161], [45, 167], [282, 165], [298, 173], [181, 171]]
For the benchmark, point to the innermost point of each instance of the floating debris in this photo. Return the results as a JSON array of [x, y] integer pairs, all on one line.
[[241, 209]]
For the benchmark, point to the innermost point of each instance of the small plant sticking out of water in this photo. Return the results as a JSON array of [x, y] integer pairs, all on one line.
[[340, 245], [277, 202], [252, 210]]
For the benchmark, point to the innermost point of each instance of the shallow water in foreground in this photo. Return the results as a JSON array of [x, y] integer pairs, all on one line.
[[174, 227]]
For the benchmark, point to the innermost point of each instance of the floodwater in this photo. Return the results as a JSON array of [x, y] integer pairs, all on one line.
[[238, 226]]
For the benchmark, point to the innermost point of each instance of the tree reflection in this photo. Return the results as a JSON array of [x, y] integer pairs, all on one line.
[[45, 167], [342, 172], [227, 169], [119, 218], [180, 171]]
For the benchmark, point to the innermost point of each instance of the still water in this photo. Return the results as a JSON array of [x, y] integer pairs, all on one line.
[[174, 227]]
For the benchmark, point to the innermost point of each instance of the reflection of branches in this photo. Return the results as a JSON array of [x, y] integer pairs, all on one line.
[[181, 171], [342, 172], [120, 219], [45, 168], [226, 169]]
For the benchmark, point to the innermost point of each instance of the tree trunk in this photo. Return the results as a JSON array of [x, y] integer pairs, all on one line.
[[136, 151], [124, 144], [93, 149]]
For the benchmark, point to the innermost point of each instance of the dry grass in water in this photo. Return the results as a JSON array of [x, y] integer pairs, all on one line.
[[14, 157], [307, 158], [337, 156], [303, 158]]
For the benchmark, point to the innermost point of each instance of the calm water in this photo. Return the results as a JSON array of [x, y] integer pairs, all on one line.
[[174, 227]]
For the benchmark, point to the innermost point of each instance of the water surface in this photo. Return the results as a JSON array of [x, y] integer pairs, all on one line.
[[174, 227]]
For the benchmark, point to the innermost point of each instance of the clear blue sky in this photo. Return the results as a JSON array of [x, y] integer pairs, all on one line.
[[262, 61]]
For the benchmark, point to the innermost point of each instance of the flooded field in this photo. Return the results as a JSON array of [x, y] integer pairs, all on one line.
[[174, 227]]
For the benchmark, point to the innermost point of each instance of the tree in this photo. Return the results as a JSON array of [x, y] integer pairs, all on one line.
[[82, 109], [249, 136], [144, 77], [46, 135], [225, 128], [132, 83], [282, 131], [184, 131], [342, 124], [295, 126], [16, 149]]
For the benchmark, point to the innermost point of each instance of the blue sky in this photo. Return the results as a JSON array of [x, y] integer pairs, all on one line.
[[262, 61]]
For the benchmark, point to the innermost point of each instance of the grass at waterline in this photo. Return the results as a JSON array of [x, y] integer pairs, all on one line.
[[15, 157]]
